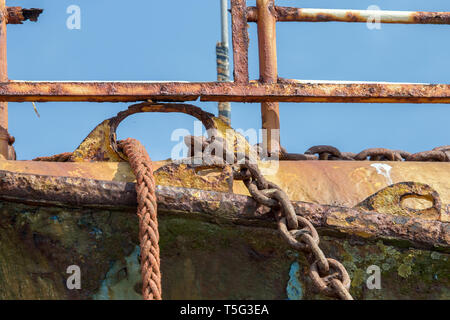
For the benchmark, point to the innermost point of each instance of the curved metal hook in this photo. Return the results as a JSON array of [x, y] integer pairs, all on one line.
[[101, 143]]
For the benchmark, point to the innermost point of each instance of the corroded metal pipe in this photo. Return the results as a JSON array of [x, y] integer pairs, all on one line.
[[283, 91], [240, 40], [268, 72], [9, 15], [344, 15], [16, 15], [3, 78]]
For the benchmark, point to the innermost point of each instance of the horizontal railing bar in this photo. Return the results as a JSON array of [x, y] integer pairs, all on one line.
[[344, 15], [280, 80], [283, 80], [283, 91]]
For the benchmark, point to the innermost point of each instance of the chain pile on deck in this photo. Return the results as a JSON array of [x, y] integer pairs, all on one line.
[[438, 154]]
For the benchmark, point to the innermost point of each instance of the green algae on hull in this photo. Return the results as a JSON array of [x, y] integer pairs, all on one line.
[[200, 259]]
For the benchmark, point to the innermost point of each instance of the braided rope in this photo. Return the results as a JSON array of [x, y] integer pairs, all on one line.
[[141, 164]]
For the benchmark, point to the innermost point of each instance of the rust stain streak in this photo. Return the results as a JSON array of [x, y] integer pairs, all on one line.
[[268, 71]]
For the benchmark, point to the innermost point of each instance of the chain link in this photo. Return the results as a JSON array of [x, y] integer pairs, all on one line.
[[328, 275]]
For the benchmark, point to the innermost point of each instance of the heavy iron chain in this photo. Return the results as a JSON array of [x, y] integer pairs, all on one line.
[[324, 152], [142, 167], [329, 276]]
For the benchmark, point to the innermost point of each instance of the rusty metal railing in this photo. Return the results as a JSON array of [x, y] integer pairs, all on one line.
[[269, 90], [266, 15]]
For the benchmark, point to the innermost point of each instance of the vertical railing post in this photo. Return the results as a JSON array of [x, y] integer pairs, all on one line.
[[3, 78], [240, 40], [267, 43]]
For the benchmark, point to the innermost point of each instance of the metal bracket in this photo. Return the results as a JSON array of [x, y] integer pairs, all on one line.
[[390, 201], [101, 143]]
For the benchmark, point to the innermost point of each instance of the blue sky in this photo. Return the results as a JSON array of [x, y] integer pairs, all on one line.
[[175, 40]]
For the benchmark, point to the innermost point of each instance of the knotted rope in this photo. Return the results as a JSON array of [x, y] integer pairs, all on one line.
[[141, 164]]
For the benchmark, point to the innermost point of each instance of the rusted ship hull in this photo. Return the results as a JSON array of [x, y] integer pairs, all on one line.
[[216, 242], [78, 209]]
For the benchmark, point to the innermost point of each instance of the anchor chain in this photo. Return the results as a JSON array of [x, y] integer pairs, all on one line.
[[141, 164], [329, 276], [324, 152]]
